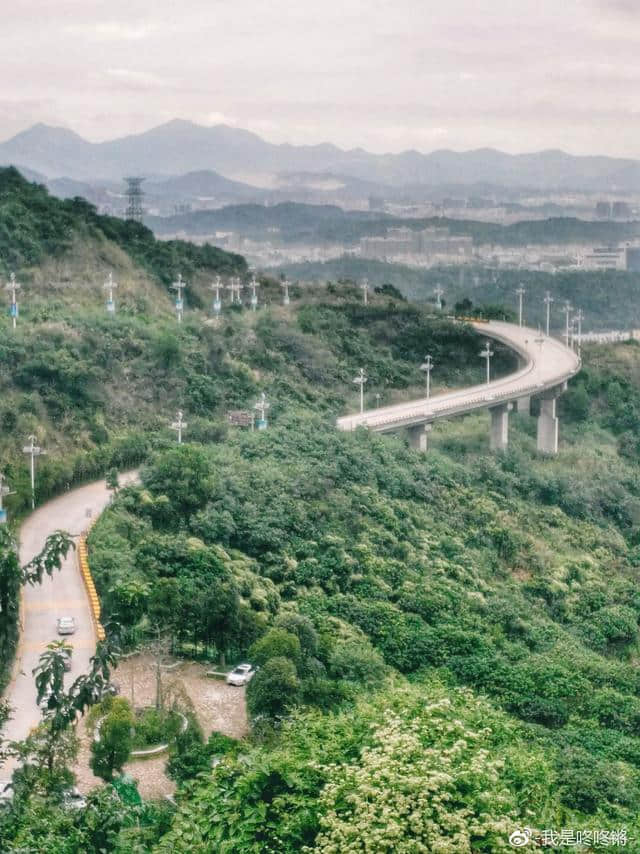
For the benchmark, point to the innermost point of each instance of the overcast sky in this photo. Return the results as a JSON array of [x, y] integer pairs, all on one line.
[[387, 75]]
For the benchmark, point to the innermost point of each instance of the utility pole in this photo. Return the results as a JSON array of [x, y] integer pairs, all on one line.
[[487, 353], [547, 301], [579, 318], [237, 284], [285, 299], [361, 380], [254, 296], [178, 286], [12, 286], [439, 294], [4, 490], [521, 292], [217, 303], [179, 426], [427, 367], [109, 287], [567, 311], [364, 284], [33, 451], [261, 407]]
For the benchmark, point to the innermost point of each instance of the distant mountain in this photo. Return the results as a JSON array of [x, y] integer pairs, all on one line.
[[180, 147]]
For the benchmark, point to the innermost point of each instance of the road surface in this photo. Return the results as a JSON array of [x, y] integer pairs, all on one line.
[[547, 363], [62, 595]]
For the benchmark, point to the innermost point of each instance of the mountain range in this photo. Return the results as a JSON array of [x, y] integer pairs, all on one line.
[[239, 156]]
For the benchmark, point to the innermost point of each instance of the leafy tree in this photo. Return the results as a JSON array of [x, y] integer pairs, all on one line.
[[111, 751], [274, 689], [277, 643]]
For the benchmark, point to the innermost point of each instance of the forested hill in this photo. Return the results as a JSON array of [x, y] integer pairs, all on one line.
[[35, 225]]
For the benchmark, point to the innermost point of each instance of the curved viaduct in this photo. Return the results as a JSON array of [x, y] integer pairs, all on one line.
[[545, 366]]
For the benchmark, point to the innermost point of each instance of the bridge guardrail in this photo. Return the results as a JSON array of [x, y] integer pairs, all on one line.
[[94, 602]]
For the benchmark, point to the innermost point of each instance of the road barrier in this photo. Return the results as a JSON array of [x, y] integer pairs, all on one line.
[[83, 561]]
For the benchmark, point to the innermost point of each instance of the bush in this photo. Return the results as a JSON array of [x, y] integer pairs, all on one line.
[[357, 662], [277, 643], [116, 739], [274, 689]]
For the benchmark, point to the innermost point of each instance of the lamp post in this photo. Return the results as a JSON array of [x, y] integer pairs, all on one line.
[[109, 286], [487, 353], [439, 294], [179, 425], [547, 301], [427, 367], [361, 380], [261, 408], [285, 298], [567, 309], [364, 284], [33, 451], [520, 292], [178, 286], [12, 286], [217, 303], [4, 490], [237, 284]]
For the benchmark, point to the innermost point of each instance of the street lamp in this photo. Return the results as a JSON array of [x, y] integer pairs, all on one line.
[[487, 353], [179, 426], [261, 407], [4, 490], [109, 286], [33, 451], [521, 292], [427, 367], [364, 284], [547, 301], [12, 286], [567, 309], [285, 299], [178, 286], [439, 294], [361, 380]]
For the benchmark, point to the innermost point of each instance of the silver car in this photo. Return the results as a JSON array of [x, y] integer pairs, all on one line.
[[241, 675], [66, 625]]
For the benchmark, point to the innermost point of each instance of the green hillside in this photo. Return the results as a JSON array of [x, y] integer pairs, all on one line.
[[448, 643]]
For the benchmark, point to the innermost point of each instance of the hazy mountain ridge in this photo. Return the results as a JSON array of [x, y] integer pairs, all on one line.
[[179, 147]]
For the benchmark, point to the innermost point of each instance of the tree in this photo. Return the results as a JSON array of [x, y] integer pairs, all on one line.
[[277, 643], [274, 689], [111, 749]]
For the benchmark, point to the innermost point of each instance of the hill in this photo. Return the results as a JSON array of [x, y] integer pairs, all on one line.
[[180, 146]]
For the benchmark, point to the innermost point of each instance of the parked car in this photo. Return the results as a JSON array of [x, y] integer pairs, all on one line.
[[241, 675], [66, 625]]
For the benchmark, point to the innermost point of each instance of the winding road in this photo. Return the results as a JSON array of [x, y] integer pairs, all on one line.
[[546, 364], [62, 595]]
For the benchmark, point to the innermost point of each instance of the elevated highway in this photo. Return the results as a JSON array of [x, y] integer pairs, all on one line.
[[545, 366]]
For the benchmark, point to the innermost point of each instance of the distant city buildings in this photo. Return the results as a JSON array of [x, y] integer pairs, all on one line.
[[430, 245], [612, 258]]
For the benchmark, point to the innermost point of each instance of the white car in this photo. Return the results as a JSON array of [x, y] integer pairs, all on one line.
[[66, 625], [72, 799], [241, 675]]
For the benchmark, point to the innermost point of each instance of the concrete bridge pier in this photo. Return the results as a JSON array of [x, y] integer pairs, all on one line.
[[499, 430], [524, 405], [548, 420], [418, 436]]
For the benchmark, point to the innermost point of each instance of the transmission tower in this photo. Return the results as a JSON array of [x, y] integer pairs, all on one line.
[[134, 199]]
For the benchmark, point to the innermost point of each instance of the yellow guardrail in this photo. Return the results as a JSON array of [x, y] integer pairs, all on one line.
[[83, 562]]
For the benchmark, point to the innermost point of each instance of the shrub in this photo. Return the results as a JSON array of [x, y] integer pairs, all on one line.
[[274, 689]]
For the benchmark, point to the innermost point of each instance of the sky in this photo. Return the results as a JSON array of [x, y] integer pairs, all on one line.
[[386, 75]]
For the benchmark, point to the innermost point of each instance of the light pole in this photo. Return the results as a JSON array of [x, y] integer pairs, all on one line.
[[364, 284], [361, 380], [217, 303], [285, 299], [377, 400], [487, 353], [109, 286], [178, 286], [521, 292], [33, 451], [427, 367], [179, 426], [579, 318], [12, 286], [254, 296], [261, 407], [4, 490], [238, 286], [547, 301], [567, 311], [439, 294]]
